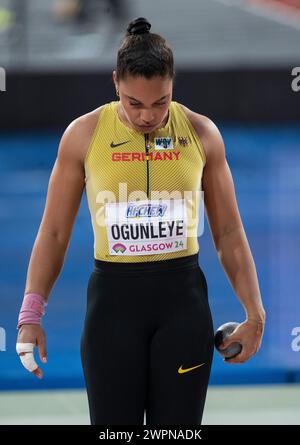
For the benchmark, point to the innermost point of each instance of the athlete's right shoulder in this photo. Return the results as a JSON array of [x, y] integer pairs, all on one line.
[[79, 132], [85, 123]]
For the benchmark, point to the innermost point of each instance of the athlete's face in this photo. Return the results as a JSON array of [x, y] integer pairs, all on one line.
[[145, 102]]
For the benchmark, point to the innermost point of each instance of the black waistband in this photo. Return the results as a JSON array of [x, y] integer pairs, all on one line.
[[186, 262]]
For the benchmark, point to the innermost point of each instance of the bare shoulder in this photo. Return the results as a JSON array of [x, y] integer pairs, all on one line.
[[207, 131], [79, 132]]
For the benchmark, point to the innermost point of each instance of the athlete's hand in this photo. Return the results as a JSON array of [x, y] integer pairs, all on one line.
[[32, 335], [249, 334]]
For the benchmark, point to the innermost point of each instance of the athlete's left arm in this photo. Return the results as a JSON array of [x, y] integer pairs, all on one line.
[[230, 239]]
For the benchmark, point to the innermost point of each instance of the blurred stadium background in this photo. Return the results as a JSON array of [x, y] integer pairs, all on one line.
[[234, 61]]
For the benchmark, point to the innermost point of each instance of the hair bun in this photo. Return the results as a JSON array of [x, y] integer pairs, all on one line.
[[138, 26]]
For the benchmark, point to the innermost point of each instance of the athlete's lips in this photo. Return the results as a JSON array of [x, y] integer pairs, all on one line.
[[146, 127]]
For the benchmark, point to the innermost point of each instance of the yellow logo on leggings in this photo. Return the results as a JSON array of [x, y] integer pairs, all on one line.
[[181, 371]]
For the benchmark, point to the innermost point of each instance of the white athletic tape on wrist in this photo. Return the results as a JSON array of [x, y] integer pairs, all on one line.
[[27, 359]]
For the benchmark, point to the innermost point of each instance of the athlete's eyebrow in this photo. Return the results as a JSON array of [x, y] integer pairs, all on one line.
[[132, 98]]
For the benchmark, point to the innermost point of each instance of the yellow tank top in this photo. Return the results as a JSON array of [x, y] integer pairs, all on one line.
[[144, 192]]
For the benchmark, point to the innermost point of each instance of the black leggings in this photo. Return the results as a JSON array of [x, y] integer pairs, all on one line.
[[143, 322]]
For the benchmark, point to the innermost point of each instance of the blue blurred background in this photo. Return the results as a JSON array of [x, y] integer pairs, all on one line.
[[234, 62]]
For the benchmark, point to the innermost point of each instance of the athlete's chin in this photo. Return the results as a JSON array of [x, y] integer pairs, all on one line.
[[146, 129]]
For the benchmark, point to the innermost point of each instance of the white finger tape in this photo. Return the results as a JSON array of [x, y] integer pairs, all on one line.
[[24, 347], [27, 359]]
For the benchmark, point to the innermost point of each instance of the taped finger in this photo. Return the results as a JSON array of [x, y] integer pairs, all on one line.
[[28, 358]]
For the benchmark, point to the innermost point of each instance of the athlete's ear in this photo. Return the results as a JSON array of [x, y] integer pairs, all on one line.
[[114, 76]]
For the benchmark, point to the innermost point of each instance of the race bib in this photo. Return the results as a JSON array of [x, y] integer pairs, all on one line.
[[146, 227]]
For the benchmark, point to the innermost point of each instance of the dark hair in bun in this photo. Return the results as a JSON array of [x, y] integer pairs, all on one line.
[[143, 53], [138, 26]]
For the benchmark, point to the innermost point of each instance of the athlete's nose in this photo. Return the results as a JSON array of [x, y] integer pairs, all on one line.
[[147, 118]]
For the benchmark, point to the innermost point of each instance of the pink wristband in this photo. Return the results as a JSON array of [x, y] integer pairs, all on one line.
[[32, 310]]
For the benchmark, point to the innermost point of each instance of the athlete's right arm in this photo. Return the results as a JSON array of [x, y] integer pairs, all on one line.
[[65, 188]]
